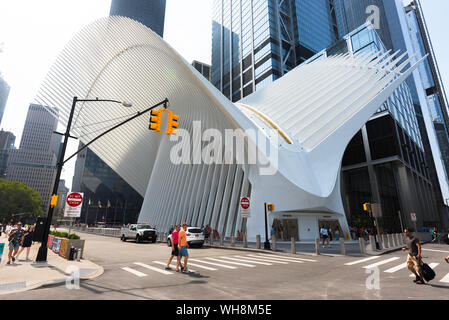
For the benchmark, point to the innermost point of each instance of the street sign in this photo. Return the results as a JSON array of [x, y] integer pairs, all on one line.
[[73, 205], [245, 207], [413, 215]]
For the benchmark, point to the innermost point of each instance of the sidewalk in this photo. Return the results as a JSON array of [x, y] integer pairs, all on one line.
[[24, 275]]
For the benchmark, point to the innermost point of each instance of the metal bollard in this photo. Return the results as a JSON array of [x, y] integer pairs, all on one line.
[[372, 242], [212, 240], [258, 241], [379, 240], [317, 246], [78, 255], [221, 241], [342, 246], [390, 241], [293, 248], [385, 241], [398, 240], [245, 241], [232, 241], [404, 238], [273, 242], [362, 245]]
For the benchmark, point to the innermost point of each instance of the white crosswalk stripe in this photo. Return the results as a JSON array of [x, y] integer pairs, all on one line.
[[152, 268], [361, 261], [279, 259], [282, 257], [230, 262], [253, 257], [173, 263], [135, 272], [397, 268], [445, 279], [243, 259], [381, 263], [214, 264]]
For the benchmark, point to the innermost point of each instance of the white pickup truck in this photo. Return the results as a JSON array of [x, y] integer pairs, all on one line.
[[139, 232]]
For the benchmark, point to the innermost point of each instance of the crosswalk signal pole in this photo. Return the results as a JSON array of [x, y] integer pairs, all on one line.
[[266, 244]]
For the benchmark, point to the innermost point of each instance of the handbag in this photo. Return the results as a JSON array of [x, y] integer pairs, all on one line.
[[427, 272]]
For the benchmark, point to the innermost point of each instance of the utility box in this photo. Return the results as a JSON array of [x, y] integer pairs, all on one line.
[[39, 230]]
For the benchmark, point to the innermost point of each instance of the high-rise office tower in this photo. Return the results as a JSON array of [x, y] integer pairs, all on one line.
[[403, 28], [7, 140], [148, 12], [106, 194], [203, 68], [256, 42], [34, 163], [4, 93]]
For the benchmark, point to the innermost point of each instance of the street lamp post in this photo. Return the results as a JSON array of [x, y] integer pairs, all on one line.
[[42, 253]]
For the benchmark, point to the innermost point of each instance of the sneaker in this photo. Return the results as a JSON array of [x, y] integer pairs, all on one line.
[[9, 262], [185, 271], [416, 280], [167, 268], [419, 282], [13, 259]]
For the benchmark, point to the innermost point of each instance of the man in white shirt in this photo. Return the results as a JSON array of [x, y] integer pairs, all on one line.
[[8, 229], [324, 235]]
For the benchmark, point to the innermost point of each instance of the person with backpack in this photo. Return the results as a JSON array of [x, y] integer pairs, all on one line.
[[174, 248], [324, 235], [414, 256]]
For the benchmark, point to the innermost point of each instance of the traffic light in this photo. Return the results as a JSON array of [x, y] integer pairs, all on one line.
[[155, 120], [172, 123], [367, 207], [54, 200]]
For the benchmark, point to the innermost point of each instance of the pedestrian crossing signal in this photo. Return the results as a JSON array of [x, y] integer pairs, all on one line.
[[367, 207], [155, 120], [270, 207]]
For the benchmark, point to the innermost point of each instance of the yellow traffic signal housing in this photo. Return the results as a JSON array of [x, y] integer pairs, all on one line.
[[367, 207], [172, 123], [270, 207], [155, 120], [53, 201]]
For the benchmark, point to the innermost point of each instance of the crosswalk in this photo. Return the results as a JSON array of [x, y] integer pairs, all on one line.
[[376, 261], [216, 263]]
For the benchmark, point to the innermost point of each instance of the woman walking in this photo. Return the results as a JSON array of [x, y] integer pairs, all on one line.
[[27, 242]]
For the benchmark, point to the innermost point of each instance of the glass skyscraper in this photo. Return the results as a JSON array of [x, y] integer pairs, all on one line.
[[256, 42], [4, 93], [148, 12]]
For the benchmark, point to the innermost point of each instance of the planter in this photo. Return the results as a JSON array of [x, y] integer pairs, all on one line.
[[62, 246]]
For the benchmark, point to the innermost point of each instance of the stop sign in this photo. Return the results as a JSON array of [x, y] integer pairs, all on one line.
[[244, 203], [74, 199]]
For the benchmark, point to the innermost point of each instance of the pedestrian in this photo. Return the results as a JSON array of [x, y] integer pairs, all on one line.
[[27, 242], [174, 248], [337, 234], [15, 240], [182, 247], [239, 235], [170, 231], [329, 232], [414, 256], [272, 230], [8, 229], [324, 235], [206, 232]]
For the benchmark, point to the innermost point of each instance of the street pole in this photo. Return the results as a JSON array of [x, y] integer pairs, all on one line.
[[266, 244], [400, 219], [42, 253]]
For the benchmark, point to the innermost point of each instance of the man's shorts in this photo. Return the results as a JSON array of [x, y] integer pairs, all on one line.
[[183, 252], [175, 251], [13, 246], [412, 262]]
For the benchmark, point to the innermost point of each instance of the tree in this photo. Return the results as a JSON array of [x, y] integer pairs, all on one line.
[[17, 197]]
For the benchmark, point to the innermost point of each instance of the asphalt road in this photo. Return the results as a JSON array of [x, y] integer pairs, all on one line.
[[136, 271]]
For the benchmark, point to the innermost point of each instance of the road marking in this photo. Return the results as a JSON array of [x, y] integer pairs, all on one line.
[[435, 250], [263, 259], [381, 263], [230, 262], [285, 257], [397, 268], [432, 265], [445, 279], [214, 264], [361, 261], [246, 260], [280, 259], [135, 272], [152, 268], [173, 263]]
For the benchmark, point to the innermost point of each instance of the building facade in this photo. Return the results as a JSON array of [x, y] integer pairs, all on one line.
[[256, 42], [203, 68], [34, 163], [4, 93], [7, 140], [150, 13]]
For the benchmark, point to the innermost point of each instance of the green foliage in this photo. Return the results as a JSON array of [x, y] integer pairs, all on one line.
[[17, 197], [64, 235]]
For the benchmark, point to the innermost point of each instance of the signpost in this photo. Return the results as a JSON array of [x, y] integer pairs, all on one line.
[[73, 206], [245, 210]]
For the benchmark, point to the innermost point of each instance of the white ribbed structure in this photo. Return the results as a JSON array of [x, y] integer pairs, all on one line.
[[316, 109]]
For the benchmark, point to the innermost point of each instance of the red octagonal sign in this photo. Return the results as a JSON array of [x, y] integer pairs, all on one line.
[[244, 203], [74, 199]]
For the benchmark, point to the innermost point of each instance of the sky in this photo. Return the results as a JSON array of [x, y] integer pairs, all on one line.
[[33, 32]]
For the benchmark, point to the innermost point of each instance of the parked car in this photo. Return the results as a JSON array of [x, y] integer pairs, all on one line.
[[139, 232], [195, 237]]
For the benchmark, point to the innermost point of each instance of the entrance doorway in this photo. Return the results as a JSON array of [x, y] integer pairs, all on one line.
[[333, 225], [285, 229]]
